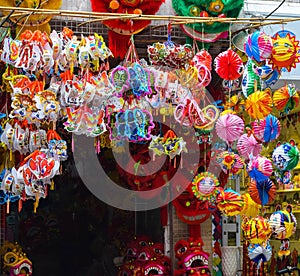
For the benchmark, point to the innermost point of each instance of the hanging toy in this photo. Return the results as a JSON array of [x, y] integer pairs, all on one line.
[[256, 230], [266, 130], [250, 208], [169, 144], [260, 168], [258, 46], [230, 162], [286, 98], [229, 202], [262, 192], [251, 82], [229, 65], [260, 253], [285, 53], [247, 145]]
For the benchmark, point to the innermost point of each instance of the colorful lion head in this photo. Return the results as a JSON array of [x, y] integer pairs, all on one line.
[[120, 30], [207, 32]]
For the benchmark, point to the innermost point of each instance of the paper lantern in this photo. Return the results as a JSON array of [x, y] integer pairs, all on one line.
[[285, 157], [262, 192], [247, 145], [286, 98], [260, 168], [258, 46], [229, 202]]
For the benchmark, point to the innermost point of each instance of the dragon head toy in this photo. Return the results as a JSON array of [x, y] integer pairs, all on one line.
[[15, 261], [209, 31], [32, 21], [121, 30], [192, 260]]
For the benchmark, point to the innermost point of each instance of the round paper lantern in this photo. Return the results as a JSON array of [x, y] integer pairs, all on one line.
[[204, 185], [286, 98], [283, 224], [229, 127], [229, 202], [266, 130], [247, 145], [259, 104], [260, 168], [229, 65], [259, 46], [256, 230], [230, 162], [285, 53], [285, 157], [262, 192]]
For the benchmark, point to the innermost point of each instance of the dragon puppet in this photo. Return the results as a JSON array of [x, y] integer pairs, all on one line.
[[121, 30], [209, 31]]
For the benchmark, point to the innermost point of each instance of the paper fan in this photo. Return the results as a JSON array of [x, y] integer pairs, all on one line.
[[258, 46], [285, 157], [286, 98], [204, 185], [229, 127], [266, 130], [247, 145], [229, 202], [260, 253], [230, 162], [250, 208], [259, 104], [203, 57], [256, 230], [229, 65], [262, 192], [260, 168]]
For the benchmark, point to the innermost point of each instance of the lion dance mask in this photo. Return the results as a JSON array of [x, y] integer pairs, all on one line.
[[121, 30]]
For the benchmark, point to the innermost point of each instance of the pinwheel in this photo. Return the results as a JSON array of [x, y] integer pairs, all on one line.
[[204, 185], [259, 104], [260, 253], [260, 168], [262, 192], [285, 157], [229, 127], [228, 65], [286, 98], [285, 53], [247, 145], [230, 162], [250, 208], [256, 230], [258, 46], [229, 202], [266, 130]]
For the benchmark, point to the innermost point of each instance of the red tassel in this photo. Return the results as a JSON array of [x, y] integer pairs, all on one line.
[[118, 44]]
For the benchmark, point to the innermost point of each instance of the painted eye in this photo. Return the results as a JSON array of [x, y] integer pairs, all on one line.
[[194, 11], [216, 6]]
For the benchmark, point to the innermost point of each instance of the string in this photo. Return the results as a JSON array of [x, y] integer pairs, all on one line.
[[202, 35]]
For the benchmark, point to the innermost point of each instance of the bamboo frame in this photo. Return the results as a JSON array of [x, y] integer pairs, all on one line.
[[173, 19]]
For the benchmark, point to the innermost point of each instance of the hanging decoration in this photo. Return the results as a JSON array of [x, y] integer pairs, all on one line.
[[266, 130], [230, 162], [121, 30], [204, 186], [229, 202], [256, 230], [260, 253], [229, 127], [228, 65], [286, 98], [258, 46], [259, 104], [262, 192], [285, 53], [251, 82], [250, 208], [248, 146], [260, 168], [207, 32]]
